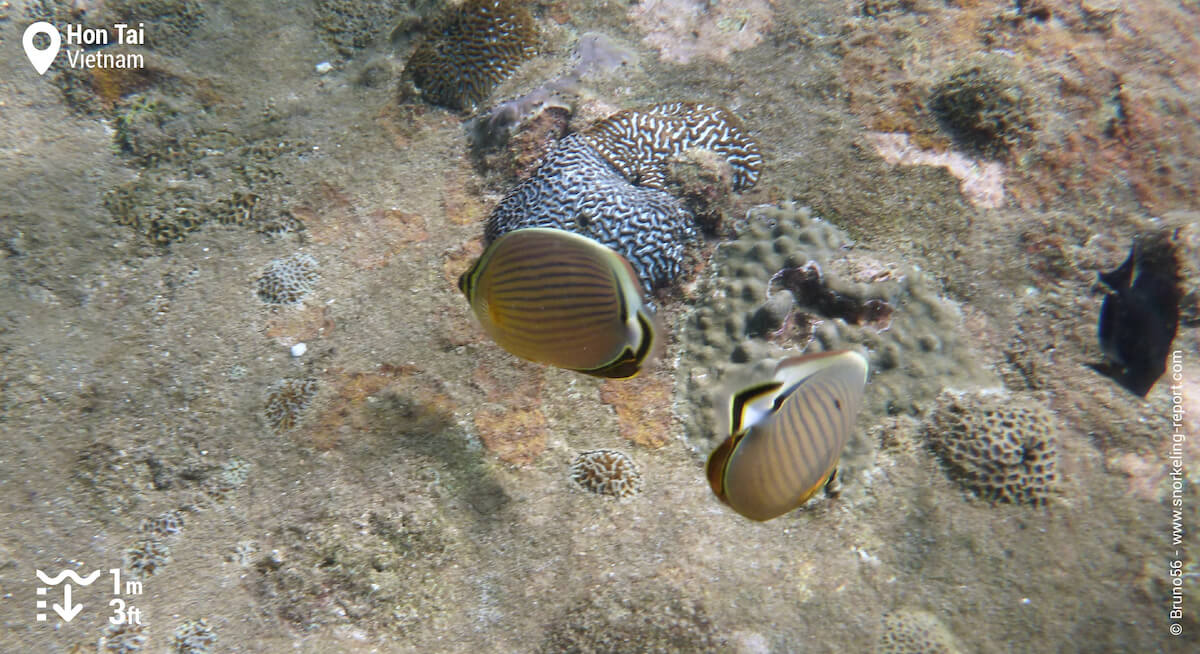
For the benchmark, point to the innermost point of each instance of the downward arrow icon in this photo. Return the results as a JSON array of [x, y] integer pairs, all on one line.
[[70, 611]]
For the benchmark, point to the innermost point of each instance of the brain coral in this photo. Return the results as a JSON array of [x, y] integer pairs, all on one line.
[[640, 142], [287, 280], [607, 472], [605, 183], [1001, 447], [576, 190], [469, 49]]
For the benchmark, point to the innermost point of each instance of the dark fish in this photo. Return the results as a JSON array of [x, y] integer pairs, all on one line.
[[787, 433], [562, 299], [1139, 318]]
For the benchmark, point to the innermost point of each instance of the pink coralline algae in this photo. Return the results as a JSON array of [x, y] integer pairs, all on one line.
[[682, 30]]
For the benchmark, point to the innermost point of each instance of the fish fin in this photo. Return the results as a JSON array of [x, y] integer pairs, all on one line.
[[1119, 279], [715, 468]]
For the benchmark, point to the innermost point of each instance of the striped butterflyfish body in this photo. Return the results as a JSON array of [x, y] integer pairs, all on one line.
[[787, 433], [554, 297]]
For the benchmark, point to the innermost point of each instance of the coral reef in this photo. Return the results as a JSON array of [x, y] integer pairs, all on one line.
[[194, 170], [1004, 448], [234, 473], [703, 182], [287, 400], [982, 109], [911, 631], [194, 637], [112, 477], [146, 556], [607, 472], [287, 280], [840, 296], [469, 49], [152, 130]]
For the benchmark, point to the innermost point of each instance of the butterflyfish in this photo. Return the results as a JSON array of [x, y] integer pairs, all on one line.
[[558, 298], [787, 433]]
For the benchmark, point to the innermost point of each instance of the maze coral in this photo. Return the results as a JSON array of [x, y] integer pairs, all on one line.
[[607, 472]]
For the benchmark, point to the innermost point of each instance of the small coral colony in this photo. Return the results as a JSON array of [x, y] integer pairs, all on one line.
[[575, 249]]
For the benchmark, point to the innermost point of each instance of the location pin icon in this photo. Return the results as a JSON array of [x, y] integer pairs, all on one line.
[[41, 59]]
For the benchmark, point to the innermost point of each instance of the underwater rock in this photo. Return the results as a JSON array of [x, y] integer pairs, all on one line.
[[643, 408], [1138, 320], [612, 616], [469, 49], [169, 22], [1004, 448]]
